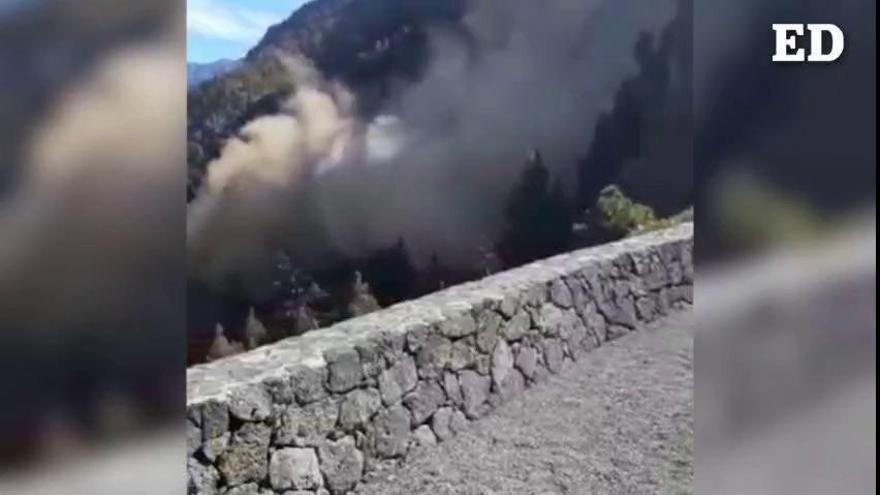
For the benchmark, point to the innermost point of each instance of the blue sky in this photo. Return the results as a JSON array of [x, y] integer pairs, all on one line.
[[218, 29]]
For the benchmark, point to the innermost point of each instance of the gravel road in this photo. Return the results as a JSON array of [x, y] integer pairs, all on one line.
[[619, 421]]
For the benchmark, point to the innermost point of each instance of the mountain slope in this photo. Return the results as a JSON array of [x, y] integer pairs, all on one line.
[[367, 44]]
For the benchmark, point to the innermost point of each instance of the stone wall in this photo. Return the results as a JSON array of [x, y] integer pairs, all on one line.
[[315, 413]]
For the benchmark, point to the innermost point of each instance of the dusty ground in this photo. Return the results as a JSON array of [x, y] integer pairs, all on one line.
[[619, 421]]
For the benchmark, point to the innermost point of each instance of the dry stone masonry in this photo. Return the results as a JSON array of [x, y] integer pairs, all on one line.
[[314, 414]]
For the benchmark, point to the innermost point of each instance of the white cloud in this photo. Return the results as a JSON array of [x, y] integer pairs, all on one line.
[[215, 19]]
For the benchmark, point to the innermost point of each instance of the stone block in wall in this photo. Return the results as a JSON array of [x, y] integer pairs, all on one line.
[[398, 380], [246, 459], [295, 469], [306, 425], [341, 463], [389, 432], [344, 370]]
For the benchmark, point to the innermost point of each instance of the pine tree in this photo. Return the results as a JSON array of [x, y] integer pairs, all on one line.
[[254, 331], [304, 320], [391, 273], [539, 218], [361, 300], [295, 297], [221, 346]]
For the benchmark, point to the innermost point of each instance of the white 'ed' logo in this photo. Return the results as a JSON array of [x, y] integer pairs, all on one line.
[[788, 34]]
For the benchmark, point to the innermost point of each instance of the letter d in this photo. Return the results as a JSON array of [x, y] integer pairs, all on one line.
[[837, 42]]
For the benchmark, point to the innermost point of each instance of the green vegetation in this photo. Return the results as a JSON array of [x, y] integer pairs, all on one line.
[[239, 88], [621, 216]]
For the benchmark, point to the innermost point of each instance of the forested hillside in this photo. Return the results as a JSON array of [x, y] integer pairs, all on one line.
[[370, 151]]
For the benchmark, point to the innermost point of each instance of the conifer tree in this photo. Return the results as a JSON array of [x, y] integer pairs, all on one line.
[[539, 219], [361, 300]]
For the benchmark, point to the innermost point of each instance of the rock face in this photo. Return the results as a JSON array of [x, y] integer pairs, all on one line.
[[314, 413]]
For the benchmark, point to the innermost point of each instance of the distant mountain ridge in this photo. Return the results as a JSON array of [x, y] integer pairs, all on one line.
[[197, 73]]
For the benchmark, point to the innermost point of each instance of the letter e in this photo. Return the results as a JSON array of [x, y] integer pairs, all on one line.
[[786, 42]]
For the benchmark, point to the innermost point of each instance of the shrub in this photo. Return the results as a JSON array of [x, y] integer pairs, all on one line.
[[621, 216]]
